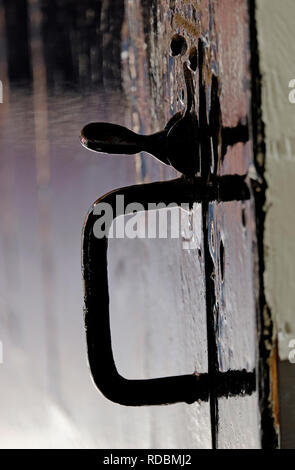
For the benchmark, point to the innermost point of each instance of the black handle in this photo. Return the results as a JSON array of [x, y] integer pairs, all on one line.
[[167, 390], [187, 388]]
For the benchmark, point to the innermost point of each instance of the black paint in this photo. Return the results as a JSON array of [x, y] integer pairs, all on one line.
[[222, 260], [206, 159]]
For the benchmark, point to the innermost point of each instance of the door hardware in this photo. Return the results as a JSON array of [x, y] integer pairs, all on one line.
[[189, 143]]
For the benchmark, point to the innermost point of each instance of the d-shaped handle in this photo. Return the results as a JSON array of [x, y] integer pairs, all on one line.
[[187, 388], [167, 390]]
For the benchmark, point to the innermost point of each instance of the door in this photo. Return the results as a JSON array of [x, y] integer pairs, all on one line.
[[178, 305]]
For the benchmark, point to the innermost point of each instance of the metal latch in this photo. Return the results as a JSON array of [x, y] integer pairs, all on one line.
[[192, 144]]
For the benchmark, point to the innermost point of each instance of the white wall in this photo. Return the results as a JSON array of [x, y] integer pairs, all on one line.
[[275, 23]]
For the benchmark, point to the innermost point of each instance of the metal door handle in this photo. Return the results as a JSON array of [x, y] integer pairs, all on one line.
[[185, 388], [180, 144]]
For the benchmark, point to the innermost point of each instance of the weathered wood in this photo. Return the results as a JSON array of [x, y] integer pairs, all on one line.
[[224, 28]]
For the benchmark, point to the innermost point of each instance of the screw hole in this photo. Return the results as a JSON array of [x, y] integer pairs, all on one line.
[[178, 45], [222, 259]]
